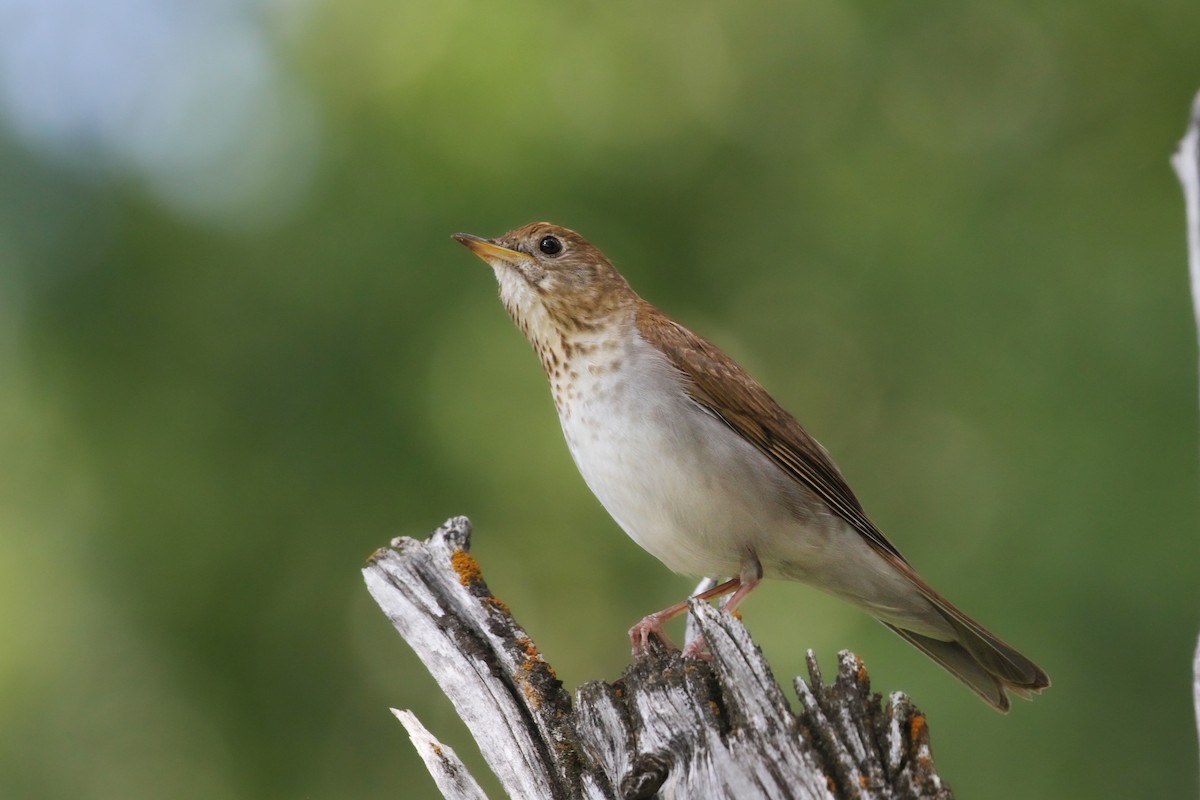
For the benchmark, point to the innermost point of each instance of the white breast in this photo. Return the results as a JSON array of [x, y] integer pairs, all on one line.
[[673, 476]]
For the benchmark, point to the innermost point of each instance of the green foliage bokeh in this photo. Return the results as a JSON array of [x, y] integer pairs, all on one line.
[[945, 235]]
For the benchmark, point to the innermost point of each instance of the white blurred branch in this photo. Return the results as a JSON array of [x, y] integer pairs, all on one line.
[[668, 728], [1186, 161], [1196, 685]]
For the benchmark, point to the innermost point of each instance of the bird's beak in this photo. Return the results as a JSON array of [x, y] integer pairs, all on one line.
[[488, 250]]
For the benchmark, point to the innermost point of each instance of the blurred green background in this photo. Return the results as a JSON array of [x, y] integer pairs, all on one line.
[[239, 352]]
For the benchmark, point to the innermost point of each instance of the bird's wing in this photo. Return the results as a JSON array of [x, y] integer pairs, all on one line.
[[717, 383]]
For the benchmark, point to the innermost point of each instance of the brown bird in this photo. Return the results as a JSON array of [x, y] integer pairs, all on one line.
[[703, 469]]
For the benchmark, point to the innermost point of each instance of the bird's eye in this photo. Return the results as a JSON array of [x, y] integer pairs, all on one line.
[[550, 245]]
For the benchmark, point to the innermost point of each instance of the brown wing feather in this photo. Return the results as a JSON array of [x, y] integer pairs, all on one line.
[[717, 383]]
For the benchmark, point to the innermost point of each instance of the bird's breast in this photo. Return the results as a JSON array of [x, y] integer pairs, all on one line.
[[673, 476]]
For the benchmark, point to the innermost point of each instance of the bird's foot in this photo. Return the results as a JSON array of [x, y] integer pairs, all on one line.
[[697, 648], [651, 626]]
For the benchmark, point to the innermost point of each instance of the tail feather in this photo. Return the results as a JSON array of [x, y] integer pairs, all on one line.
[[969, 651], [956, 660], [976, 657]]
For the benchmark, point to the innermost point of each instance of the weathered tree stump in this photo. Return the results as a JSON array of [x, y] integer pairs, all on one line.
[[669, 727]]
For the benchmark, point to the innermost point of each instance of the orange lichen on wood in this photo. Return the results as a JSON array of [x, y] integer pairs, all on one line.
[[863, 677], [466, 567], [498, 604], [917, 727], [531, 694], [533, 658]]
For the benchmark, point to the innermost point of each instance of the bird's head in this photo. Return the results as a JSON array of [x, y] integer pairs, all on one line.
[[552, 276]]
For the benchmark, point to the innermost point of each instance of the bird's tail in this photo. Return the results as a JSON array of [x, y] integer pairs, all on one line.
[[978, 658]]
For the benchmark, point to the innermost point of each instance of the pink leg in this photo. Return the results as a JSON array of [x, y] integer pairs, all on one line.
[[640, 634], [740, 586], [747, 583]]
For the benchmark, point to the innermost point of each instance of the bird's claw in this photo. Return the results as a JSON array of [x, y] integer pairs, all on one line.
[[640, 635]]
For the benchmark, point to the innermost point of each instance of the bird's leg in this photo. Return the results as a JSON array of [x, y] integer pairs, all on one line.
[[746, 583], [640, 634]]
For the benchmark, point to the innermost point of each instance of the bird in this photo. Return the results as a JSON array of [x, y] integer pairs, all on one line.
[[703, 469]]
